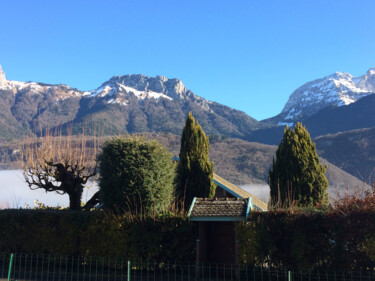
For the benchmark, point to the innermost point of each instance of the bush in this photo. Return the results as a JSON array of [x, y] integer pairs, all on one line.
[[97, 233], [135, 175], [305, 240]]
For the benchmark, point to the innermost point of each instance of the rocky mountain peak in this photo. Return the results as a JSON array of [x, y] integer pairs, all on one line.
[[337, 89], [173, 88], [339, 75]]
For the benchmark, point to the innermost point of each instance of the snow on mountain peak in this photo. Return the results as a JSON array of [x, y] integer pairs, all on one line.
[[172, 88], [337, 89], [3, 81], [142, 87], [119, 89]]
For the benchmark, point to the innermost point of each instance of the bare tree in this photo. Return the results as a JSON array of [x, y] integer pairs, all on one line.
[[61, 164]]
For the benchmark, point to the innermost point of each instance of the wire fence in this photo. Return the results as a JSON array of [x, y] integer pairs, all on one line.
[[37, 267]]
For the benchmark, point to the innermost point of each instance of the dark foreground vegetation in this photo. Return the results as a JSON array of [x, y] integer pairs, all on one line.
[[56, 267], [97, 233], [335, 239]]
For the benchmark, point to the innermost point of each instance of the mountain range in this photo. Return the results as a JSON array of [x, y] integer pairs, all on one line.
[[141, 104], [123, 104]]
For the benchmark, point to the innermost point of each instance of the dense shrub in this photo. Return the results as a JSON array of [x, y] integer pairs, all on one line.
[[299, 240], [136, 175], [96, 234], [307, 240]]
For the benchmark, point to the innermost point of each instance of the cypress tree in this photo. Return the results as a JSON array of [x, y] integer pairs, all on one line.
[[297, 176], [194, 170]]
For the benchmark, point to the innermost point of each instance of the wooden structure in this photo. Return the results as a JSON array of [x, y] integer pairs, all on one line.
[[226, 189], [217, 242], [216, 217]]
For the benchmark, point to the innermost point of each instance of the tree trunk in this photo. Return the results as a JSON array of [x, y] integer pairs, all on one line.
[[75, 201]]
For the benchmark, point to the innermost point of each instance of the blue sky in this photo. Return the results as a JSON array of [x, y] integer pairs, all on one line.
[[250, 55]]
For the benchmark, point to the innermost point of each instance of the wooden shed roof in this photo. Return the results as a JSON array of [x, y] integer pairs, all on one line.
[[219, 209]]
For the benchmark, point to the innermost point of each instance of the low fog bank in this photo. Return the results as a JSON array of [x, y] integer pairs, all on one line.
[[15, 193], [261, 191]]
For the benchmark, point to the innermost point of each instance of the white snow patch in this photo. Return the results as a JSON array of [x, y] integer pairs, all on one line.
[[285, 124], [144, 94], [347, 100], [292, 114], [101, 92]]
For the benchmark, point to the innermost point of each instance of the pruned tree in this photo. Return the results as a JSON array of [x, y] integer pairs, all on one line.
[[194, 170], [61, 164], [297, 177]]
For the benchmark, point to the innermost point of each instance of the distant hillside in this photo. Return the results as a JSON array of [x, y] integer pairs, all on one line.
[[236, 160], [352, 151], [243, 162], [331, 120]]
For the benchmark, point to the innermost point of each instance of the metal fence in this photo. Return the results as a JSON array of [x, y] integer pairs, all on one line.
[[37, 267]]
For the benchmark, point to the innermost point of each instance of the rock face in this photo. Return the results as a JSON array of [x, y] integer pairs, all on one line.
[[173, 88], [3, 81]]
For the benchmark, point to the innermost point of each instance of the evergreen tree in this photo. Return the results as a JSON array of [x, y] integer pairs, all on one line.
[[136, 175], [194, 170], [297, 176]]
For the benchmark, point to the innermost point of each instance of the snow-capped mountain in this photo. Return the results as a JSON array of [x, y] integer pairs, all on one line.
[[123, 104], [119, 89], [59, 92], [338, 89]]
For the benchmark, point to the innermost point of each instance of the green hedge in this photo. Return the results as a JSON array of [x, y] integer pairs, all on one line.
[[286, 240], [96, 234], [307, 240]]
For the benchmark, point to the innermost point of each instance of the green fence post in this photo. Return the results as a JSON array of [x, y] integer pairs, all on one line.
[[289, 276], [10, 266], [128, 271]]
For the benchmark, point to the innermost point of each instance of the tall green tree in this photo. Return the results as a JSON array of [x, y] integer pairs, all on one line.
[[297, 175], [194, 170], [135, 175]]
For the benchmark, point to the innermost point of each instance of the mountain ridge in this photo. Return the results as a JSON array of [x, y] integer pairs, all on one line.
[[123, 104], [337, 89]]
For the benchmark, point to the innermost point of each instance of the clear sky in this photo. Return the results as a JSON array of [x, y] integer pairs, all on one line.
[[247, 54]]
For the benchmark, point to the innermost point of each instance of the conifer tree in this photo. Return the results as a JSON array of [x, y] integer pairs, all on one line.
[[194, 170], [135, 175], [297, 176]]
